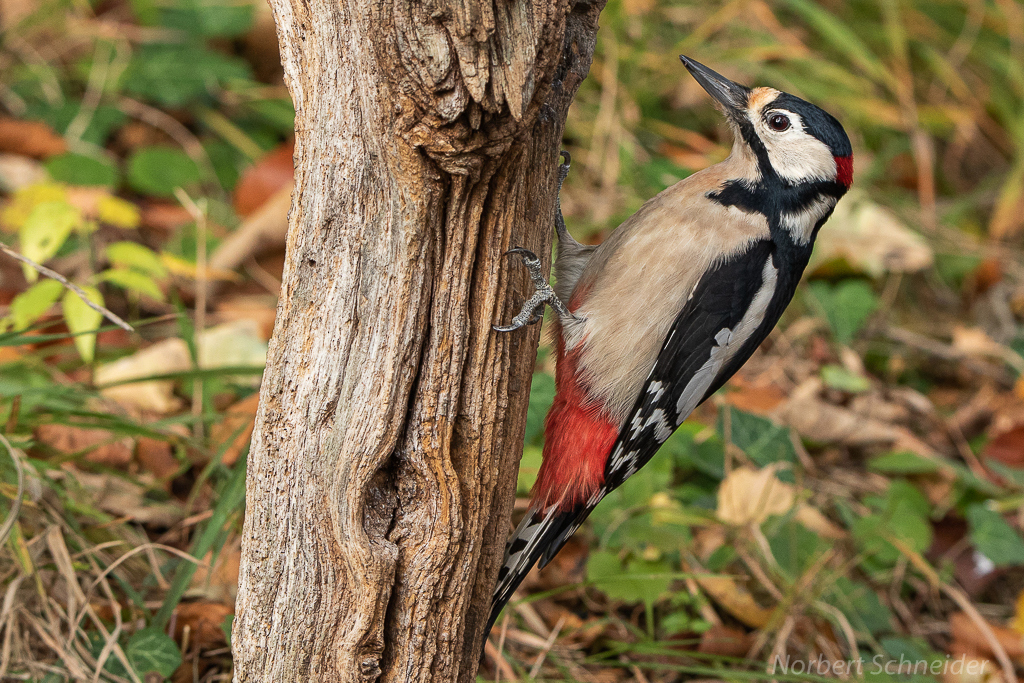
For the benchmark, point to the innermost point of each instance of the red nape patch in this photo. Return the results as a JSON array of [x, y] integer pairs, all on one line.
[[844, 170], [577, 441]]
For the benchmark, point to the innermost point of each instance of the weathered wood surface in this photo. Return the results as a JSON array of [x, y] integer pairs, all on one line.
[[391, 417]]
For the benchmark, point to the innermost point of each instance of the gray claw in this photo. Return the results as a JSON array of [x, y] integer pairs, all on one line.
[[532, 310]]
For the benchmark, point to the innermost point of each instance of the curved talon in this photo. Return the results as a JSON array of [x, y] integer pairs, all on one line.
[[521, 250]]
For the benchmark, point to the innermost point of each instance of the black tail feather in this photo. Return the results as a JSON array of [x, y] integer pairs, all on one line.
[[540, 536]]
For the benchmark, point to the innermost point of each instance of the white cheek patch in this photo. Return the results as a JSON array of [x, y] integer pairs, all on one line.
[[794, 154], [801, 223]]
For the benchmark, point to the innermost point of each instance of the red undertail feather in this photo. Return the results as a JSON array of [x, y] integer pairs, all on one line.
[[577, 441], [844, 170]]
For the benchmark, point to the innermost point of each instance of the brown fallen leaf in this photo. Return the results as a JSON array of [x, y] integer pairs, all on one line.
[[203, 620], [264, 229], [870, 239], [30, 138], [749, 496], [735, 599], [963, 629], [973, 573], [260, 181], [18, 171], [106, 447], [164, 216], [233, 431], [816, 419], [1006, 448], [219, 583], [157, 457], [163, 357], [261, 309], [966, 666], [124, 498], [753, 398], [725, 641]]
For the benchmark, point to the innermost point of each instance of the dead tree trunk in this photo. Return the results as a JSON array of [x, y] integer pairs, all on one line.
[[391, 416]]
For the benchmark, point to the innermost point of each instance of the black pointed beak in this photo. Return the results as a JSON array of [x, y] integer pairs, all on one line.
[[731, 96]]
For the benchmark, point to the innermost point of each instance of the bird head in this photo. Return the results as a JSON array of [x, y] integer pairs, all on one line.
[[789, 138]]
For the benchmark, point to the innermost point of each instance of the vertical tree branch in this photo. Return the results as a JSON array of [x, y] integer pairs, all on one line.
[[391, 417]]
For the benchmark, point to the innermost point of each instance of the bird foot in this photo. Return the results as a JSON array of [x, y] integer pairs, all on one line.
[[533, 309]]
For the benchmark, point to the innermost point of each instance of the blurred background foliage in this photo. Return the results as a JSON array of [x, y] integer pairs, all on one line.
[[855, 493]]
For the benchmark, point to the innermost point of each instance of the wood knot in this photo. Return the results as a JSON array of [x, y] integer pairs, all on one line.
[[369, 669]]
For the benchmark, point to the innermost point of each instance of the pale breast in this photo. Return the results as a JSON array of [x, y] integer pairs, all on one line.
[[639, 278]]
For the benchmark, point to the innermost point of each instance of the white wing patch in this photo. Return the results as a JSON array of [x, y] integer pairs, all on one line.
[[727, 343]]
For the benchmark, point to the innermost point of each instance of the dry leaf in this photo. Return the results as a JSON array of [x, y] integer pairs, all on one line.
[[236, 427], [164, 216], [156, 457], [17, 171], [974, 342], [1007, 447], [219, 584], [29, 138], [735, 599], [107, 448], [262, 309], [757, 399], [124, 498], [725, 641], [823, 422], [870, 239], [167, 356], [260, 181], [203, 620], [964, 629], [749, 496]]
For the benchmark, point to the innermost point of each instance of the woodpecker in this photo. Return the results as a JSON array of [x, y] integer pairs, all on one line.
[[654, 320]]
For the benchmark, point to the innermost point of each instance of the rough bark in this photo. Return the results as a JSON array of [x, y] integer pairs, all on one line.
[[391, 418]]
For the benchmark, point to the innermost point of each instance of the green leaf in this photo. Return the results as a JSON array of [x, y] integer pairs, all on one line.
[[278, 113], [153, 650], [226, 625], [993, 537], [78, 169], [794, 546], [903, 462], [103, 120], [207, 17], [135, 256], [846, 307], [44, 232], [860, 604], [132, 280], [80, 318], [34, 302], [175, 75], [159, 170], [638, 581], [903, 517], [762, 440], [838, 377]]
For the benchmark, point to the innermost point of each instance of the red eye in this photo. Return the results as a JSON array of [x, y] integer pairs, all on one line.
[[778, 122]]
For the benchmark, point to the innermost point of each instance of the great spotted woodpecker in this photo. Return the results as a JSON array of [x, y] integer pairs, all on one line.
[[654, 320]]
